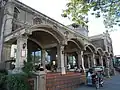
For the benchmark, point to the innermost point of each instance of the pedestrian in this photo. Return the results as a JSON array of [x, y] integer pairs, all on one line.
[[89, 77]]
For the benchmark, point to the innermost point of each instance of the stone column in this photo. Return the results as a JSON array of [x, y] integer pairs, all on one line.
[[6, 56], [107, 67], [21, 51], [101, 60], [6, 52], [111, 63], [79, 59], [113, 69], [60, 52], [93, 60], [88, 61], [82, 60], [111, 66], [65, 58], [43, 56]]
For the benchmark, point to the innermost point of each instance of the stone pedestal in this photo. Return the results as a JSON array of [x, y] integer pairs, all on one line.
[[41, 80], [107, 73]]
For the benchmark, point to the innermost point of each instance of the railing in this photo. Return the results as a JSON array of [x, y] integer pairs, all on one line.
[[68, 81]]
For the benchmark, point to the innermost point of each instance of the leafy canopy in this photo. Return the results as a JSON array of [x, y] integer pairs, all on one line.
[[77, 11]]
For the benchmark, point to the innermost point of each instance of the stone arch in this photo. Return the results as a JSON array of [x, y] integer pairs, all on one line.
[[89, 55], [99, 56], [106, 53], [100, 51], [91, 47], [72, 52], [48, 37], [59, 36], [35, 41], [86, 46], [79, 42], [74, 43]]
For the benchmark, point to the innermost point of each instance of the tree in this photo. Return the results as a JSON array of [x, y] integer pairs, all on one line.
[[77, 11]]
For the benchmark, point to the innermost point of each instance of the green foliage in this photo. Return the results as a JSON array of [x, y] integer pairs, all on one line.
[[77, 11], [2, 81], [28, 68], [20, 81], [17, 82]]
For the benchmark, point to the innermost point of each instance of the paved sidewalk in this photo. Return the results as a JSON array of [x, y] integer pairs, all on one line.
[[110, 84]]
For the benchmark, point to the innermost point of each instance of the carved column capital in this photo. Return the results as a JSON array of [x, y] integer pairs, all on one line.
[[22, 36], [63, 43], [28, 31]]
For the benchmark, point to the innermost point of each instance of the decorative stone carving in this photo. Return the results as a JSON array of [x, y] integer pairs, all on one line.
[[55, 26], [37, 20]]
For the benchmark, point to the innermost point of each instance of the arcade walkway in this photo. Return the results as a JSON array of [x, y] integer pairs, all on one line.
[[110, 84]]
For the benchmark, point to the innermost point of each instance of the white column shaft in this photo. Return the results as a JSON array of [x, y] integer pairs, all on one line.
[[61, 59], [21, 51], [43, 58]]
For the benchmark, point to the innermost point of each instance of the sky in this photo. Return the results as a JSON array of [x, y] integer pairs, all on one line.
[[53, 9]]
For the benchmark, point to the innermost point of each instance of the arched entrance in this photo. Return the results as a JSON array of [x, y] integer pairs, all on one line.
[[43, 46], [49, 39], [89, 56], [73, 58], [99, 57]]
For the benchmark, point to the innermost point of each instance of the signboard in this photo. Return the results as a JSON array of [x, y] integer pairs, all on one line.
[[23, 53]]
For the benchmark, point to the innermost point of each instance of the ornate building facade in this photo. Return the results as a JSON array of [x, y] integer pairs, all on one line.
[[22, 25], [40, 38]]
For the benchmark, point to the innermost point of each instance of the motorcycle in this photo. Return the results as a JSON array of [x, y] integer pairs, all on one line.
[[98, 82], [101, 82]]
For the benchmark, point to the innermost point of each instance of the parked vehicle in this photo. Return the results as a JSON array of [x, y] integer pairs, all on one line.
[[95, 77]]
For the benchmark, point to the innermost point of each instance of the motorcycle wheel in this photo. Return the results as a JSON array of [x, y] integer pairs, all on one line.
[[97, 85], [101, 85]]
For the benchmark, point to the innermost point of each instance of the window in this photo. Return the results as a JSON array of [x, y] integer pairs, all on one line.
[[16, 12], [15, 16], [71, 61]]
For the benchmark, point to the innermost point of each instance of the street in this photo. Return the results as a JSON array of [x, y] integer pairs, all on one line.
[[110, 84]]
